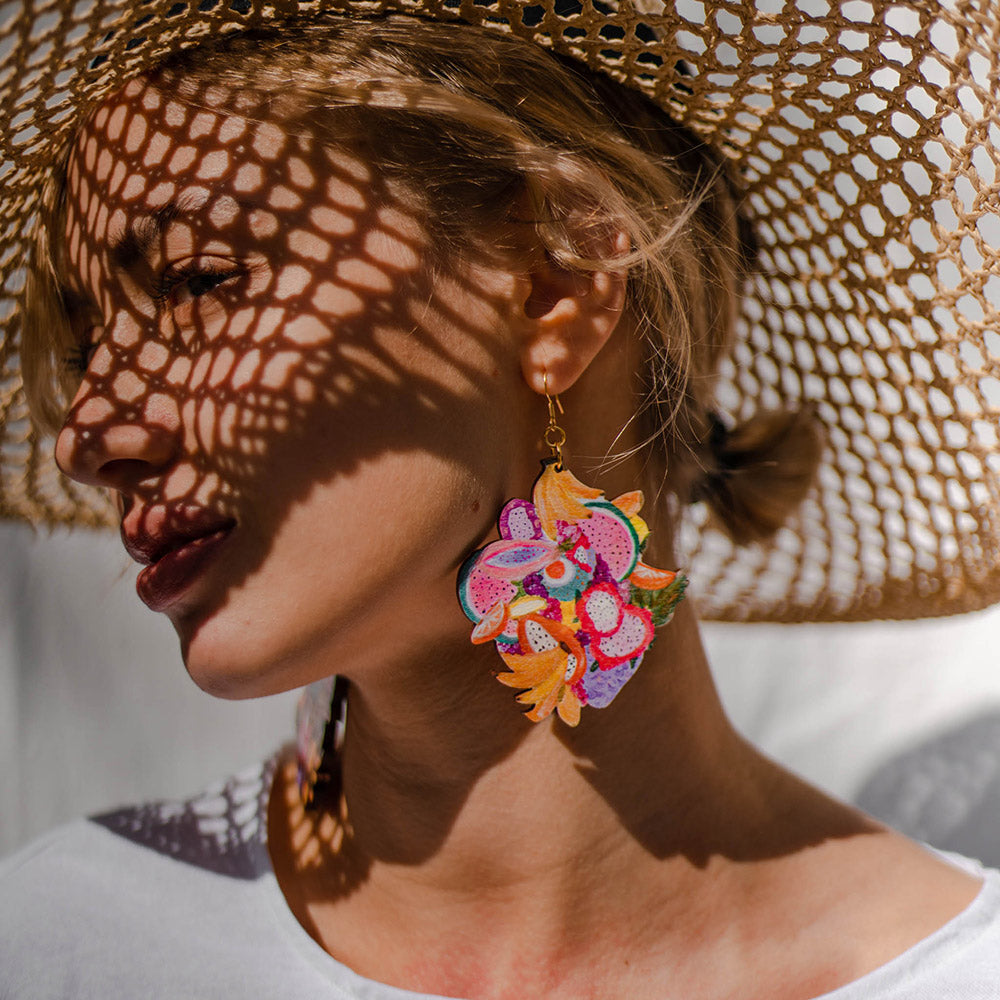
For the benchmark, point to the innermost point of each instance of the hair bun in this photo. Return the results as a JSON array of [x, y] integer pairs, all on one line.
[[759, 471]]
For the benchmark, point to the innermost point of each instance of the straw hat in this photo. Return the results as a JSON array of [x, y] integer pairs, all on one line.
[[866, 135]]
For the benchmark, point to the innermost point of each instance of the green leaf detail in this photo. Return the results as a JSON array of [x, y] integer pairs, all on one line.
[[661, 604]]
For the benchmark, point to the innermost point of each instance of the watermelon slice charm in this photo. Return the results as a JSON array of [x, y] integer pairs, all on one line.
[[565, 595]]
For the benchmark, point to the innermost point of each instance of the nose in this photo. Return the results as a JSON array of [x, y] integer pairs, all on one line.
[[117, 434]]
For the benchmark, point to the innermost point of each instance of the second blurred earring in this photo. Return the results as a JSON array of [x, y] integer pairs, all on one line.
[[564, 593], [321, 718]]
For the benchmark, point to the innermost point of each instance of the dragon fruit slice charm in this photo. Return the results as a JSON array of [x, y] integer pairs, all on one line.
[[565, 595]]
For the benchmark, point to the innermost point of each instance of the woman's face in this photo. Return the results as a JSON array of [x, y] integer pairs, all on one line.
[[306, 426]]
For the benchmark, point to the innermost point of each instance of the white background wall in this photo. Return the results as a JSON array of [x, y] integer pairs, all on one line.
[[96, 709]]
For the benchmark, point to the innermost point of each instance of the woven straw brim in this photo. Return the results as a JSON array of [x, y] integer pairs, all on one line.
[[867, 139]]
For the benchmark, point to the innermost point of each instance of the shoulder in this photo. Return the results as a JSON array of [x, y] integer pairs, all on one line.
[[118, 904], [960, 959], [968, 948]]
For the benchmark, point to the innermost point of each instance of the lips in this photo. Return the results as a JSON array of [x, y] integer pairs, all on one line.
[[175, 554]]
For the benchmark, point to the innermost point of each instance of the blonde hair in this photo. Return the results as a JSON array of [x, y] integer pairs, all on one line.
[[474, 120]]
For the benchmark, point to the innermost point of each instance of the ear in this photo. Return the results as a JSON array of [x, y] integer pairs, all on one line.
[[569, 316]]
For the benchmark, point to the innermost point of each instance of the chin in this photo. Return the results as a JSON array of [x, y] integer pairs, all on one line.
[[236, 664]]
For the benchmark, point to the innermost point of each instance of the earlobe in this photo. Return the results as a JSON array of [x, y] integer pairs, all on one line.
[[569, 315]]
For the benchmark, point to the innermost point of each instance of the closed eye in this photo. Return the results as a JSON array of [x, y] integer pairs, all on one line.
[[180, 284], [77, 359]]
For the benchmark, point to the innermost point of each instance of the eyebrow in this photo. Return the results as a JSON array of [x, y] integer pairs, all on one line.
[[130, 248]]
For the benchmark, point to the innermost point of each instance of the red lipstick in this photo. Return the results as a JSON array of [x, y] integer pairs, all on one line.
[[175, 547], [163, 582]]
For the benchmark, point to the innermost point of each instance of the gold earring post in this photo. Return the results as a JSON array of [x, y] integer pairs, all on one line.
[[555, 436]]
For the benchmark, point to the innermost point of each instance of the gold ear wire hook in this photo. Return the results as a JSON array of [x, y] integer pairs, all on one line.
[[555, 436]]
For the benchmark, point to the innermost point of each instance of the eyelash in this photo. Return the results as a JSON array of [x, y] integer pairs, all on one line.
[[173, 278], [77, 359]]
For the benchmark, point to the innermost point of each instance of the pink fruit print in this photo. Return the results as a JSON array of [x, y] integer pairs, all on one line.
[[612, 536], [600, 609], [629, 640], [514, 559], [519, 520], [479, 591], [565, 595]]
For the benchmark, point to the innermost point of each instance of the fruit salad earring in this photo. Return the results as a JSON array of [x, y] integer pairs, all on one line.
[[564, 593]]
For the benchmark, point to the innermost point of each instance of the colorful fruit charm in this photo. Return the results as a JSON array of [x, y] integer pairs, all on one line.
[[565, 595]]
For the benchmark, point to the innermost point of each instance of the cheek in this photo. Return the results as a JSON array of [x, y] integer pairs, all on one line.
[[357, 573], [355, 519], [384, 541]]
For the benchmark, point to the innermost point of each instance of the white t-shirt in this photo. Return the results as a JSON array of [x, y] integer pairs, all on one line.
[[178, 901]]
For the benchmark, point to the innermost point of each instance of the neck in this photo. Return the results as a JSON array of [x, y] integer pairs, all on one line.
[[450, 770], [534, 838]]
